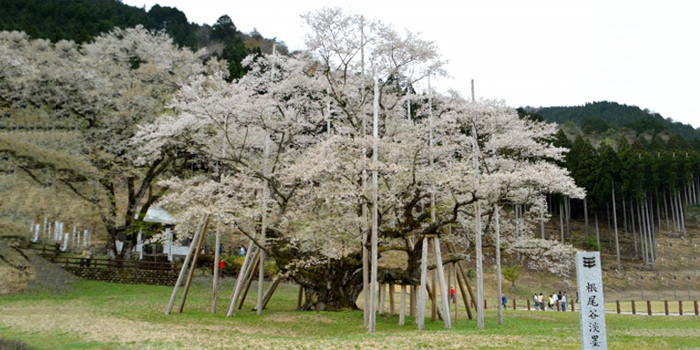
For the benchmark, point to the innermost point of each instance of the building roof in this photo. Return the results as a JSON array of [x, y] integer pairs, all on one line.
[[159, 215]]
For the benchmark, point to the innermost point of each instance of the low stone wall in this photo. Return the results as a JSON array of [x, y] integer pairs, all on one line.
[[130, 276]]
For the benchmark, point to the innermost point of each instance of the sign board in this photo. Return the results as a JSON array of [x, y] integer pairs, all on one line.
[[591, 303], [169, 244]]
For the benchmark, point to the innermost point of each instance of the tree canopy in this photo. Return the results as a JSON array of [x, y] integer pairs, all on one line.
[[291, 138], [98, 94]]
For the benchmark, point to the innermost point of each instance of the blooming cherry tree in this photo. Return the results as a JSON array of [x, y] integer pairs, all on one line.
[[311, 108], [97, 94]]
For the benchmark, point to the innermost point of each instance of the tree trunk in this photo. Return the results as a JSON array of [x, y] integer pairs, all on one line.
[[650, 232], [597, 231], [567, 209], [542, 222], [682, 217], [585, 216], [674, 213], [561, 222], [642, 235], [624, 217], [332, 287], [658, 209], [668, 226], [607, 213], [617, 241], [634, 233]]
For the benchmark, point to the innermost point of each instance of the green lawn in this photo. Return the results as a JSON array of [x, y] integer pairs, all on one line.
[[96, 315]]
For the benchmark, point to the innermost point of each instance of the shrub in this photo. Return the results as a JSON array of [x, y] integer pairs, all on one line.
[[511, 274], [593, 244]]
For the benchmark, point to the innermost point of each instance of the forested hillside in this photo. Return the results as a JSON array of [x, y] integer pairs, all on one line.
[[638, 173], [82, 20], [600, 118]]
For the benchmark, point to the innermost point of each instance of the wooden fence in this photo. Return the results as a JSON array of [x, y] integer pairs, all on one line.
[[647, 307], [107, 263]]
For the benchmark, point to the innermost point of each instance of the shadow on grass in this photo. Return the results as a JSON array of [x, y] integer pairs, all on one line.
[[7, 344]]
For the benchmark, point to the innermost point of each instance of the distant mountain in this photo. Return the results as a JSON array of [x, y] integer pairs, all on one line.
[[599, 117]]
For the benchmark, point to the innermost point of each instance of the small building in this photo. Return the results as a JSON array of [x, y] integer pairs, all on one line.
[[160, 216]]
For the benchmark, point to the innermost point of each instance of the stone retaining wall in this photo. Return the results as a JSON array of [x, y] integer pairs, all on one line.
[[130, 276]]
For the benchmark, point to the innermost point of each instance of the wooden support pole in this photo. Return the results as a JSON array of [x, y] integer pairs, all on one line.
[[443, 288], [382, 297], [666, 307], [249, 281], [460, 283], [270, 291], [420, 306], [433, 297], [414, 298], [402, 310], [454, 297], [240, 280], [299, 297], [182, 270], [514, 306], [198, 247], [391, 299], [449, 276], [454, 300], [528, 304], [634, 308], [617, 306], [263, 227], [680, 307], [216, 267], [695, 304], [261, 278], [461, 269]]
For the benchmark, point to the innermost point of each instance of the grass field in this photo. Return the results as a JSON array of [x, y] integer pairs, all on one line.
[[97, 315]]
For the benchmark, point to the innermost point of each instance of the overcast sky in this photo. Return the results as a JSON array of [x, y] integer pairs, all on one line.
[[529, 53]]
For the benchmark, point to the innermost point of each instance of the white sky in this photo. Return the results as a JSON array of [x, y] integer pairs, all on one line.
[[529, 53]]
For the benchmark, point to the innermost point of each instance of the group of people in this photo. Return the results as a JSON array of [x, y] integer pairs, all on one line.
[[557, 301]]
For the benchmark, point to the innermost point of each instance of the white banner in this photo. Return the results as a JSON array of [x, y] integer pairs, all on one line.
[[37, 228]]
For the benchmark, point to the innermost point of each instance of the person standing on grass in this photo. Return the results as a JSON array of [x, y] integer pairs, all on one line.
[[537, 301], [452, 293], [562, 302], [559, 301], [550, 305], [555, 303], [542, 301], [222, 264], [503, 300]]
